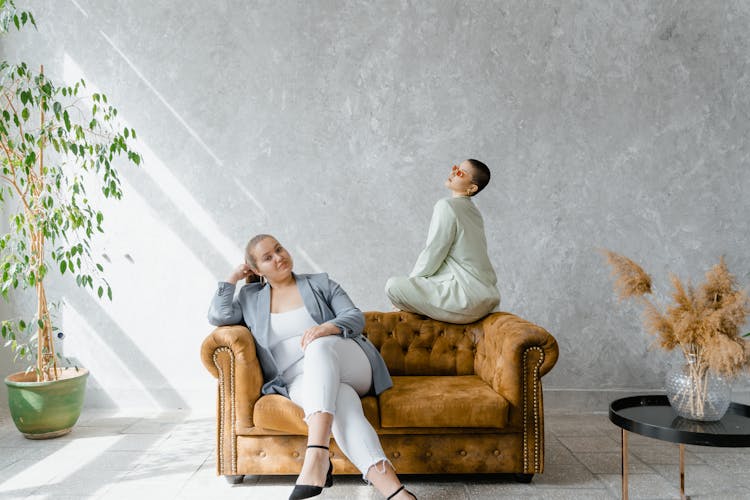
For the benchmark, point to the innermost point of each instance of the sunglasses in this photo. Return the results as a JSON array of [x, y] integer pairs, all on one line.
[[458, 172]]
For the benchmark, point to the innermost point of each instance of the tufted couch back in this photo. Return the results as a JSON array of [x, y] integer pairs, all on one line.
[[416, 345]]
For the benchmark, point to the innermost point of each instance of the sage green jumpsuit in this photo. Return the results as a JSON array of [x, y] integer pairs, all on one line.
[[453, 279]]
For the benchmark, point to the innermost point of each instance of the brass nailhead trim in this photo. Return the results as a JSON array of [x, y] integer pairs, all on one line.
[[535, 409], [222, 405]]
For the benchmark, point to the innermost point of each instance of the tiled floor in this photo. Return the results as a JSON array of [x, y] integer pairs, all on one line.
[[171, 455]]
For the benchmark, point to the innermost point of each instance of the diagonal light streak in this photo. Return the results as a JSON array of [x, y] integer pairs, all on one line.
[[306, 256], [80, 8], [253, 199], [163, 100], [177, 192]]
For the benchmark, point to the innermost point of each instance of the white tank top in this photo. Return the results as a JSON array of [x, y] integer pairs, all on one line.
[[286, 335]]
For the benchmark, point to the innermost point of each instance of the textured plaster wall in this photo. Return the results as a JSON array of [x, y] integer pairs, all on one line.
[[618, 124]]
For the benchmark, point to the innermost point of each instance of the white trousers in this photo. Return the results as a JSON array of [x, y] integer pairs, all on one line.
[[336, 373]]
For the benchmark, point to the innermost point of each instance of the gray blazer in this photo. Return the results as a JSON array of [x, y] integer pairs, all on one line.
[[324, 299]]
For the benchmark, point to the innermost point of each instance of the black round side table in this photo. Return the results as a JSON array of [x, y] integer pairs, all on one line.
[[652, 416]]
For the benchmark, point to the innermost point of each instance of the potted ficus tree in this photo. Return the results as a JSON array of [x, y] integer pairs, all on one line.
[[55, 141]]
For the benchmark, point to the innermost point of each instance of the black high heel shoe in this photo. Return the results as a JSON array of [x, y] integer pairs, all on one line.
[[301, 491], [399, 491]]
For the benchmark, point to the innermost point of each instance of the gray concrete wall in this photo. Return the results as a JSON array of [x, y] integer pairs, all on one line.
[[618, 124]]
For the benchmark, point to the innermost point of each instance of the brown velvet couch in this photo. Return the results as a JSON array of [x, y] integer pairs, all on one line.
[[465, 399]]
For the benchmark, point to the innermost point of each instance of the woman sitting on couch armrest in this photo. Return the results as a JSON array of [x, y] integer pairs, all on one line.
[[453, 279]]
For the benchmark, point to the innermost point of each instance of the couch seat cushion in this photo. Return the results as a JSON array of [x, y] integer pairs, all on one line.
[[277, 413], [451, 401]]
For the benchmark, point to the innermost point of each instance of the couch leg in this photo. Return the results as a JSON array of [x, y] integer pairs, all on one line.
[[234, 479], [523, 478]]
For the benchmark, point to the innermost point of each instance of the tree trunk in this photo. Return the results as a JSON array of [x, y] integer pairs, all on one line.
[[46, 359]]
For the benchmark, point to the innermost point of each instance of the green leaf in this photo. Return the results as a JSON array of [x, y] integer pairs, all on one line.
[[100, 292], [40, 323], [25, 114], [63, 266], [109, 294], [21, 325], [66, 119]]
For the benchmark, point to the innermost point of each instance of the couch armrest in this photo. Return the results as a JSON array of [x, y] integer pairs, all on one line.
[[229, 354], [507, 339], [512, 357]]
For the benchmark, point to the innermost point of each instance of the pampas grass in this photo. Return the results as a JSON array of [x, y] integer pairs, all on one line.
[[703, 322], [632, 280]]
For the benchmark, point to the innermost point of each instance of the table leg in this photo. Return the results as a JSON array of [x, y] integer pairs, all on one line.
[[682, 472], [624, 470]]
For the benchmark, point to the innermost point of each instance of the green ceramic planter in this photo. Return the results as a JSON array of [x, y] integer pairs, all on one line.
[[43, 410]]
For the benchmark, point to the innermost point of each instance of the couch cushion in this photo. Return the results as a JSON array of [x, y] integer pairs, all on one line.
[[277, 413], [432, 401]]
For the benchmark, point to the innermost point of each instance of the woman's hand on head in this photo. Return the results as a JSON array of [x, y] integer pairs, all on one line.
[[317, 331], [240, 272]]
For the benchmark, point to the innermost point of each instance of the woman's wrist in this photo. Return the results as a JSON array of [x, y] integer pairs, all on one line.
[[332, 329]]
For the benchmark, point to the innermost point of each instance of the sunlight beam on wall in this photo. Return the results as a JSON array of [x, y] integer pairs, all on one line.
[[314, 265], [254, 200], [104, 364], [85, 14], [171, 187], [163, 100]]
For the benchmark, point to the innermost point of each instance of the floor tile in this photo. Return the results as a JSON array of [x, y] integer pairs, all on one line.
[[112, 455], [567, 476], [664, 455], [642, 486], [611, 463], [577, 494], [704, 479], [589, 444], [732, 460], [558, 454]]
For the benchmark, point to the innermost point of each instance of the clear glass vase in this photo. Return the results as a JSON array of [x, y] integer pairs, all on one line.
[[696, 392]]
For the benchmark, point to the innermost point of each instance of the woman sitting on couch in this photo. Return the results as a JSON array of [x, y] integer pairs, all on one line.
[[308, 336]]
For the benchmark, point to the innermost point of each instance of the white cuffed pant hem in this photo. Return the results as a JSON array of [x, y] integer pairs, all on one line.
[[379, 461], [310, 414]]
